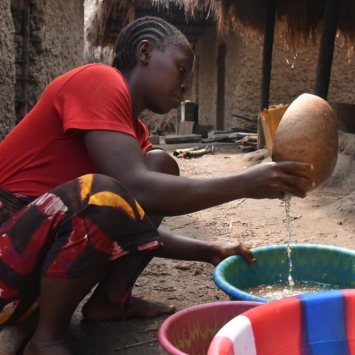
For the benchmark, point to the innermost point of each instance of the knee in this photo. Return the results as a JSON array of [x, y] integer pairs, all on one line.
[[96, 183], [100, 181], [160, 161]]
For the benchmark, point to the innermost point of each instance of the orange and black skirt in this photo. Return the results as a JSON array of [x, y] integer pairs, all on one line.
[[74, 229]]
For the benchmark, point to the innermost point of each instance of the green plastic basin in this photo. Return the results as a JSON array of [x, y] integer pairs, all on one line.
[[311, 262]]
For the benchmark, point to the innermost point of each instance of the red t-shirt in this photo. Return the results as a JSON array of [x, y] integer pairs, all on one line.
[[47, 148]]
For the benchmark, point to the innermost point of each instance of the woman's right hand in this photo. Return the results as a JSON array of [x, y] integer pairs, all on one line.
[[273, 180]]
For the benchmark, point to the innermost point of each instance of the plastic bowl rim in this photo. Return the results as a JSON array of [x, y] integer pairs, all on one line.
[[228, 288], [164, 327]]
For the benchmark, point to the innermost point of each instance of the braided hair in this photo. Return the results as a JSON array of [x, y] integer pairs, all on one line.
[[154, 29]]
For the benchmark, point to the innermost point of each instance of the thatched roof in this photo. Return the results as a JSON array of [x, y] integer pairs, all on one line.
[[300, 20], [110, 16]]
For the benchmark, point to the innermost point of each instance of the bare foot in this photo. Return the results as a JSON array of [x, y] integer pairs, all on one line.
[[138, 308], [46, 348], [224, 250]]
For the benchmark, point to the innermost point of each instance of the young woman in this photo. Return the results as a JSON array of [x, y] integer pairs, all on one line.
[[82, 193]]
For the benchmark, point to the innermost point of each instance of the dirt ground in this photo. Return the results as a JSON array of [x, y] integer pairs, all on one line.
[[253, 222]]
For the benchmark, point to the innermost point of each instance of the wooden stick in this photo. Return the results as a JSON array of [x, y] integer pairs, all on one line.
[[136, 344], [250, 138], [177, 152], [199, 153], [246, 147], [252, 144]]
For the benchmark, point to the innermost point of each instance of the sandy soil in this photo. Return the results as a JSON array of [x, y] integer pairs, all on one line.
[[325, 216]]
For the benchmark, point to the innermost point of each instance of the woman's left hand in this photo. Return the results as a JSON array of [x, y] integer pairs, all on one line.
[[224, 250]]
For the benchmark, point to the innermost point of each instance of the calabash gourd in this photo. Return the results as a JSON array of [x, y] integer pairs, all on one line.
[[308, 133]]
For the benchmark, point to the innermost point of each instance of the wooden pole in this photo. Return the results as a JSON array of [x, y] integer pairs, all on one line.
[[131, 12], [267, 64], [130, 15], [326, 50], [221, 86]]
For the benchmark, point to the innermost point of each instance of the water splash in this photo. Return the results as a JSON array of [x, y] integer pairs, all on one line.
[[280, 290], [287, 200]]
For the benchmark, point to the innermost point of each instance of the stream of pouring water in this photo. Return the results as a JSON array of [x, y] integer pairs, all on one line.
[[281, 290], [287, 200]]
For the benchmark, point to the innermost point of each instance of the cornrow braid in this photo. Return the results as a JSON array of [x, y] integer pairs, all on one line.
[[153, 29]]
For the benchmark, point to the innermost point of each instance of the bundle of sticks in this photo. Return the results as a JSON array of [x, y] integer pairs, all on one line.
[[193, 152], [248, 143]]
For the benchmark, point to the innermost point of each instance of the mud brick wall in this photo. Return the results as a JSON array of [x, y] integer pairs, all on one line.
[[7, 69], [57, 33], [56, 44], [291, 76]]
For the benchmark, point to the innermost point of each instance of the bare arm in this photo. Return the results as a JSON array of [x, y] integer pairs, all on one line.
[[119, 156], [198, 250]]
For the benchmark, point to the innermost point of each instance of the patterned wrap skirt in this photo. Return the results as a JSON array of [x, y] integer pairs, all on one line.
[[76, 228]]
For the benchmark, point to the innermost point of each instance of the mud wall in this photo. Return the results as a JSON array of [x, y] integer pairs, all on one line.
[[7, 69], [291, 76], [203, 88], [56, 42], [243, 76]]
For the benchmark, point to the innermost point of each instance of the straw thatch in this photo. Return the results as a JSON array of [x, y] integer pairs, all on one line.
[[160, 123], [300, 20], [110, 16]]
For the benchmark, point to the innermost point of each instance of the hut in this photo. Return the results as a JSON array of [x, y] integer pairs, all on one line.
[[298, 22], [39, 41], [105, 20], [110, 16], [229, 51]]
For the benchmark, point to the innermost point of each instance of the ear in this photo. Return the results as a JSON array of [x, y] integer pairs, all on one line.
[[144, 52]]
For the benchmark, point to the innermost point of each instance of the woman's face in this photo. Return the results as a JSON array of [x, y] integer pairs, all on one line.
[[166, 77]]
